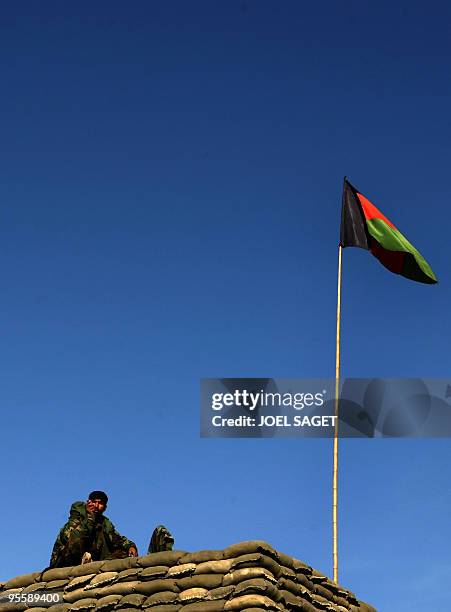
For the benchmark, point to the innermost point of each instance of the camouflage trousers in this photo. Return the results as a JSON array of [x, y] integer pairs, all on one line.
[[161, 540], [75, 547]]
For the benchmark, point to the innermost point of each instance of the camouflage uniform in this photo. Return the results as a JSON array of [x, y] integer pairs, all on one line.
[[86, 532]]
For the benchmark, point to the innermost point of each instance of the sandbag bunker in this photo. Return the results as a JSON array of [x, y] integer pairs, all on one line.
[[248, 577]]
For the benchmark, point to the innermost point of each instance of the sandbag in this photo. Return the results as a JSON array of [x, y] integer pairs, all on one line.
[[324, 592], [305, 581], [88, 568], [101, 579], [63, 607], [317, 578], [203, 606], [246, 573], [116, 588], [163, 597], [287, 572], [78, 583], [364, 607], [129, 574], [165, 608], [130, 601], [301, 567], [34, 588], [71, 596], [249, 547], [21, 581], [56, 585], [202, 556], [322, 603], [221, 592], [192, 595], [294, 587], [251, 601], [180, 571], [8, 606], [286, 560], [215, 567], [59, 573], [117, 565], [83, 605], [167, 557], [151, 573], [205, 581], [258, 586], [257, 560], [105, 604], [295, 603], [156, 586], [340, 601]]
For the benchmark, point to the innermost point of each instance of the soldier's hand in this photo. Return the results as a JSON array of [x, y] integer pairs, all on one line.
[[132, 552]]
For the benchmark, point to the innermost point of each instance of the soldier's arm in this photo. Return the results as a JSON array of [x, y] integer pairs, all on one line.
[[78, 528], [75, 529], [120, 542]]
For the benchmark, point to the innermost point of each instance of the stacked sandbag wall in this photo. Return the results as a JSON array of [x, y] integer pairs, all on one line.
[[247, 577]]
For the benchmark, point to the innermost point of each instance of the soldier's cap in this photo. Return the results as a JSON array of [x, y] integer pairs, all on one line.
[[99, 495]]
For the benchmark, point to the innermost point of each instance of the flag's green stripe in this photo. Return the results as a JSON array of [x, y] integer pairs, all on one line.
[[393, 240]]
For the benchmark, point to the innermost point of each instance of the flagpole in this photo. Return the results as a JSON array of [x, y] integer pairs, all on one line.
[[337, 391]]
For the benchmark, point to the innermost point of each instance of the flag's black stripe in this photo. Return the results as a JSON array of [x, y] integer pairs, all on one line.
[[353, 229]]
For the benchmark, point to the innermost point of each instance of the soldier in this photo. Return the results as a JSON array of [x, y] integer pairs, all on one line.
[[90, 536]]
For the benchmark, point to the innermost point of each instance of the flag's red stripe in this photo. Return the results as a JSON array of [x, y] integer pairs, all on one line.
[[371, 212]]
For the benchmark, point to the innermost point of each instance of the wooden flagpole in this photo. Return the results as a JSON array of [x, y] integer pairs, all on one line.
[[337, 391]]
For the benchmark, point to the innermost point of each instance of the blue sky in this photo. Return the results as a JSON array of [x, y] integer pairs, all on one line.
[[170, 203]]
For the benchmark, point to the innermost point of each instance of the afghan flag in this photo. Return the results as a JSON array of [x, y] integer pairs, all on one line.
[[364, 226]]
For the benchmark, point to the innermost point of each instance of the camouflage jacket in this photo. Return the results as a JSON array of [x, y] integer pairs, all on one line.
[[95, 534]]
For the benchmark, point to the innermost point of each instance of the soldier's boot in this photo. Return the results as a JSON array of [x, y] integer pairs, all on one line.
[[87, 558], [161, 540]]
